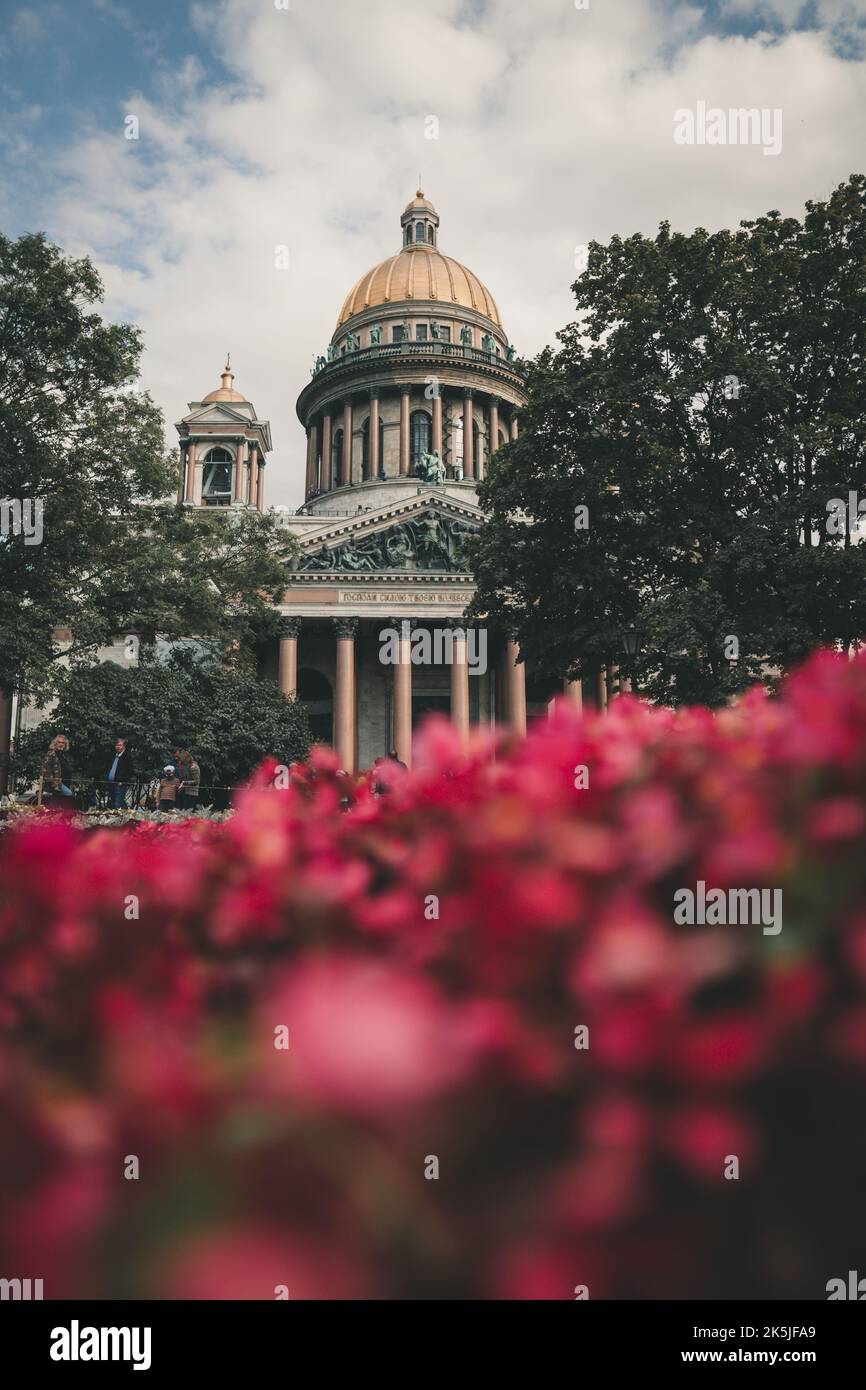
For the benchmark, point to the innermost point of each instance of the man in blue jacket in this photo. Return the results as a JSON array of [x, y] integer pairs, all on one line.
[[120, 774]]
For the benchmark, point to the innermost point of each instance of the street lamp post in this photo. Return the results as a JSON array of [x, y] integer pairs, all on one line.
[[631, 643]]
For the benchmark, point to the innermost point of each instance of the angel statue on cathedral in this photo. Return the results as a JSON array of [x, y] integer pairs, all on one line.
[[430, 469]]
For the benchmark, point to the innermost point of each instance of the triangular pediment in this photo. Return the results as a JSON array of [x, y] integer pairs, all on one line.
[[421, 534], [216, 415]]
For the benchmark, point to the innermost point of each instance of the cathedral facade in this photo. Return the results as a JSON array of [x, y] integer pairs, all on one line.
[[418, 389]]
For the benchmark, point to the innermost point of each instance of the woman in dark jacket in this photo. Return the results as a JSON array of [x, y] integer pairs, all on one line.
[[189, 773], [57, 770]]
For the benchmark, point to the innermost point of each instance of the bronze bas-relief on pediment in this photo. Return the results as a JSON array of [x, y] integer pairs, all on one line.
[[429, 543]]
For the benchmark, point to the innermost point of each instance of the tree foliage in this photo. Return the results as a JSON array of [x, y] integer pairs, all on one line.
[[227, 718], [76, 434], [706, 406]]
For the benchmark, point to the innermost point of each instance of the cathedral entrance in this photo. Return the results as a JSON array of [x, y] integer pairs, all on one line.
[[540, 690], [314, 691], [423, 705]]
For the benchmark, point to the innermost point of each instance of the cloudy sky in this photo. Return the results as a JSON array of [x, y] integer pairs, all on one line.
[[306, 123]]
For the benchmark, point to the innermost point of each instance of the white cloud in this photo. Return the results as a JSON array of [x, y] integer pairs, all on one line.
[[555, 128], [27, 27]]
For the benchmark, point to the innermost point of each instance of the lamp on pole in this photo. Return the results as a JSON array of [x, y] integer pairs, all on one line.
[[631, 644]]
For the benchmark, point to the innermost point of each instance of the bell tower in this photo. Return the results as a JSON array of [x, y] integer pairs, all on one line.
[[223, 445]]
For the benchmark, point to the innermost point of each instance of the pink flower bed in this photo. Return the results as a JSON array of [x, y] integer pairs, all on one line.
[[509, 1072]]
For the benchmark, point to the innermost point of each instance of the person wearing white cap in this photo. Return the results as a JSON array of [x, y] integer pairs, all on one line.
[[168, 788]]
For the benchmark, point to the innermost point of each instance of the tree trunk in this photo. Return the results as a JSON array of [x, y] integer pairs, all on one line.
[[5, 737]]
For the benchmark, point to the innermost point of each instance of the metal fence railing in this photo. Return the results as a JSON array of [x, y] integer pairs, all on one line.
[[96, 794]]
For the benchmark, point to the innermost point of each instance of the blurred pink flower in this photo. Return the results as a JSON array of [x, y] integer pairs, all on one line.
[[249, 1263], [435, 954], [364, 1037]]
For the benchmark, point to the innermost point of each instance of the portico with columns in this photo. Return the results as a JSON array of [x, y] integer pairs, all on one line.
[[376, 708]]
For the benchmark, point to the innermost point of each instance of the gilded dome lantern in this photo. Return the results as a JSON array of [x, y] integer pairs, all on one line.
[[420, 222]]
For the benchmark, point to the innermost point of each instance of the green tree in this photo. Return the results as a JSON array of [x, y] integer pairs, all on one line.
[[79, 442], [228, 718], [705, 406]]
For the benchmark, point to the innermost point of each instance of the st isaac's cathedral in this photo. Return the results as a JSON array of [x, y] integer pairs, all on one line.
[[420, 386]]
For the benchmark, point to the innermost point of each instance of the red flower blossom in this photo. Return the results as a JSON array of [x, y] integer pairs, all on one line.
[[436, 1033]]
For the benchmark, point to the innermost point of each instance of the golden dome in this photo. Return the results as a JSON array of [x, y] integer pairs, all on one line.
[[420, 272], [226, 391]]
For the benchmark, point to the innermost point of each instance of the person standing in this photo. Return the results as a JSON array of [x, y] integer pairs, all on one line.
[[168, 789], [189, 773], [57, 771], [180, 756], [120, 774]]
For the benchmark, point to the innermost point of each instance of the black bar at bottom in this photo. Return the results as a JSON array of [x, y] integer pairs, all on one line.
[[235, 1339]]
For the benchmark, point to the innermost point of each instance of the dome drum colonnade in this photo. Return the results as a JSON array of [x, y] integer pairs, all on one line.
[[346, 432]]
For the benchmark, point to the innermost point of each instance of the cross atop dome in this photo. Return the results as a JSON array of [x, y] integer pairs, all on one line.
[[420, 222]]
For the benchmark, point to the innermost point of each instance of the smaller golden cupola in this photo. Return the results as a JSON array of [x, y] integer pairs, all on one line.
[[226, 391], [420, 223]]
